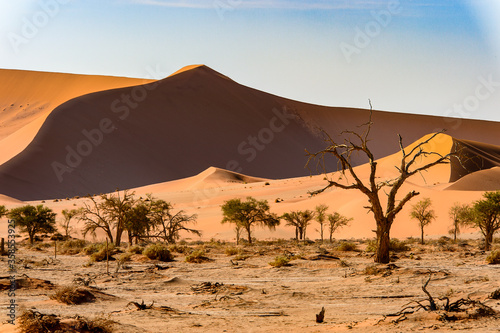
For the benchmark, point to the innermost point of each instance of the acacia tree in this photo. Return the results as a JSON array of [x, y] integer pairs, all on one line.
[[138, 222], [422, 212], [249, 213], [485, 215], [3, 211], [170, 224], [459, 214], [34, 220], [68, 215], [110, 214], [320, 215], [335, 222], [300, 220], [355, 143]]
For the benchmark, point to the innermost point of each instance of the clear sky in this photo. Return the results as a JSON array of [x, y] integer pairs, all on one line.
[[419, 56]]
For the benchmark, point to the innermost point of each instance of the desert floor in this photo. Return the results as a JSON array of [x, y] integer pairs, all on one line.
[[237, 290]]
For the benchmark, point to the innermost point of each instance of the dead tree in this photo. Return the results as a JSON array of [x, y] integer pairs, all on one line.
[[355, 143]]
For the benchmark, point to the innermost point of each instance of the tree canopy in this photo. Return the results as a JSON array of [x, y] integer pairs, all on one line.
[[34, 220], [246, 214]]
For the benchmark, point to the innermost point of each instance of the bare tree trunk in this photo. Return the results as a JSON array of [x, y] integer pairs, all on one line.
[[296, 233], [249, 235], [382, 255], [118, 239], [488, 239], [321, 232], [422, 235], [130, 238]]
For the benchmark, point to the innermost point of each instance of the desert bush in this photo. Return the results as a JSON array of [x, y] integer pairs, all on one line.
[[177, 248], [124, 257], [34, 322], [158, 252], [241, 256], [72, 246], [346, 246], [197, 256], [495, 294], [398, 246], [395, 245], [493, 258], [280, 261], [135, 249], [91, 248], [73, 295], [231, 251], [97, 251]]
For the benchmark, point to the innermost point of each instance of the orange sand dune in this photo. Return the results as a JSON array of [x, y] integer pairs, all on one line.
[[185, 123], [28, 96]]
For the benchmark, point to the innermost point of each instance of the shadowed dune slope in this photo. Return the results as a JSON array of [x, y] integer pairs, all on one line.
[[483, 180], [27, 96], [474, 156], [186, 123]]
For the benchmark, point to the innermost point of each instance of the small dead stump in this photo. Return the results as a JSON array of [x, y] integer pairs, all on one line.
[[320, 317]]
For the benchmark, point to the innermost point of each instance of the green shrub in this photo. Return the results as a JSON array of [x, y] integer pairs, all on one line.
[[197, 256], [493, 258], [72, 246], [158, 252], [280, 261]]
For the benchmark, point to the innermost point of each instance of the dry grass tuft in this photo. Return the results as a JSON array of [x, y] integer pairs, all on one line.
[[197, 256], [232, 250], [158, 252], [35, 322], [32, 321], [493, 258], [347, 246], [280, 261], [135, 249], [72, 246], [73, 295]]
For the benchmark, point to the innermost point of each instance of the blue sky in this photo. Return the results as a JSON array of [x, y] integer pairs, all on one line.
[[416, 56]]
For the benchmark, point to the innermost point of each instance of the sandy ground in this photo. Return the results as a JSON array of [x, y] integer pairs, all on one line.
[[255, 297]]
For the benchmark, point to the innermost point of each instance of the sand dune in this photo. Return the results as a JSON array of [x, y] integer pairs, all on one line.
[[483, 180], [28, 97], [177, 127]]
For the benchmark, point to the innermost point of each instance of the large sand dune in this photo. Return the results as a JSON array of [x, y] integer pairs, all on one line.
[[186, 123]]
